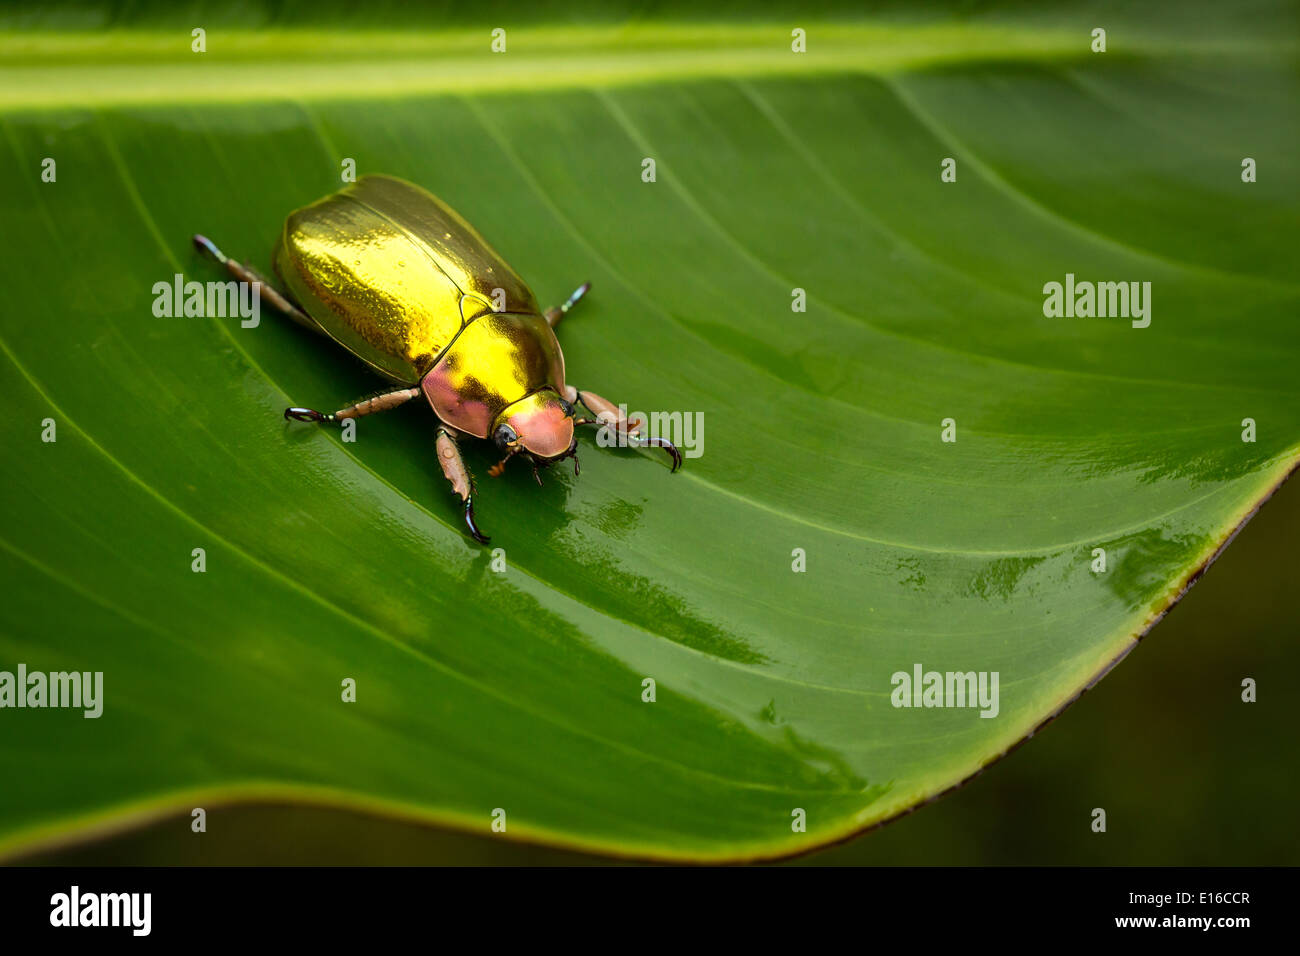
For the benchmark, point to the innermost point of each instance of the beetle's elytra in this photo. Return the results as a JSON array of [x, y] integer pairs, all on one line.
[[395, 276]]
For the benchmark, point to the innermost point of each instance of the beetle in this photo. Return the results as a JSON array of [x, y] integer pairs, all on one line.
[[395, 276]]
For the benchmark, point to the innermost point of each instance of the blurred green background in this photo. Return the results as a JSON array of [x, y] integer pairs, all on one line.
[[1187, 773]]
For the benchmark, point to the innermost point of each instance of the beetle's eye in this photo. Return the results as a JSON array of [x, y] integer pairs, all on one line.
[[504, 436], [567, 408]]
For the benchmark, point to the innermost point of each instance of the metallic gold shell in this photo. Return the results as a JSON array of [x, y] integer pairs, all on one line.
[[393, 274]]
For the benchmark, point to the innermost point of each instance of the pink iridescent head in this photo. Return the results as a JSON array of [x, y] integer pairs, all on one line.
[[540, 424]]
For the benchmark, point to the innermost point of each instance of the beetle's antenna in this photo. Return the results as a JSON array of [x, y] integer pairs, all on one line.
[[496, 470]]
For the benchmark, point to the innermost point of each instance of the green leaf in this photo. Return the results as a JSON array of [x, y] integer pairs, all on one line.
[[776, 171]]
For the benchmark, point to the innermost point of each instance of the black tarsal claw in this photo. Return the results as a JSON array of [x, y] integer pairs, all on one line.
[[667, 446], [303, 415], [478, 535], [209, 249]]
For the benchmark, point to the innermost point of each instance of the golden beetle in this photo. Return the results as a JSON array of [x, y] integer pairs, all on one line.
[[395, 276]]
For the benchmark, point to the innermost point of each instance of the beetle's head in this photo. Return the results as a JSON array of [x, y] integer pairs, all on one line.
[[540, 424]]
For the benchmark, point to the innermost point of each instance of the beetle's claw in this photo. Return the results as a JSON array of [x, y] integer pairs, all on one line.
[[667, 446], [305, 415], [478, 535], [209, 248]]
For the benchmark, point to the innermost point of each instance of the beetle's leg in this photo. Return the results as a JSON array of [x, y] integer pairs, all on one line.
[[244, 273], [367, 406], [462, 482], [557, 312], [607, 414]]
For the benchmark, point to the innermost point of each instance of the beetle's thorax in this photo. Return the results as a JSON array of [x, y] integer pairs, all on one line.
[[497, 360]]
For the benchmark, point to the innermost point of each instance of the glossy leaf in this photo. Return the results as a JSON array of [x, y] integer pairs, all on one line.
[[523, 690]]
